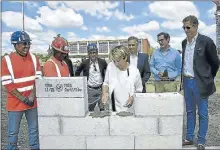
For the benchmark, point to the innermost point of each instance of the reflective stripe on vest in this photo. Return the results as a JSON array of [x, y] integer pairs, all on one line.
[[57, 68], [24, 79]]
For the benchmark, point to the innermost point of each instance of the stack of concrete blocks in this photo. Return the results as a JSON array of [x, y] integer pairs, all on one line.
[[64, 121]]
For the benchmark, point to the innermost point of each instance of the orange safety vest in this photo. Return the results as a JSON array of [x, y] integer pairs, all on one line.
[[19, 73], [55, 68]]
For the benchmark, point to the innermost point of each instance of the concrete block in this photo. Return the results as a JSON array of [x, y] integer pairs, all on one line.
[[62, 142], [62, 107], [110, 142], [85, 126], [49, 125], [158, 142], [133, 126], [61, 87], [172, 125], [146, 104]]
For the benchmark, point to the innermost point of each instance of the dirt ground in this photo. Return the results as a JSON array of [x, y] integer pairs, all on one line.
[[213, 137]]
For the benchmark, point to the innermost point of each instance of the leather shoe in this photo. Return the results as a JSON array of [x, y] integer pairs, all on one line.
[[186, 142], [201, 147]]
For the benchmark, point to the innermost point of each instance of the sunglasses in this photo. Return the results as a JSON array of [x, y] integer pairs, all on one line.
[[186, 27]]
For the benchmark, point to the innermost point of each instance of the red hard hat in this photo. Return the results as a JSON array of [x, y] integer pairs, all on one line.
[[60, 44]]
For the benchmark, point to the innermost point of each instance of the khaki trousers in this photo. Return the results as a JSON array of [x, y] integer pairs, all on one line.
[[165, 86]]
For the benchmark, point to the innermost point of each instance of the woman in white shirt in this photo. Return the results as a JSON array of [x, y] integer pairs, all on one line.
[[122, 80]]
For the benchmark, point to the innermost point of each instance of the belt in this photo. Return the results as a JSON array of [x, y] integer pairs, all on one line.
[[98, 87], [167, 80], [188, 76]]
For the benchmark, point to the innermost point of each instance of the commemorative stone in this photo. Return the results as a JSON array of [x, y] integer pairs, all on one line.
[[74, 87]]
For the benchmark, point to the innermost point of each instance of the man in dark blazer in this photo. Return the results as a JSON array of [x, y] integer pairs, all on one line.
[[140, 60], [94, 69], [200, 65]]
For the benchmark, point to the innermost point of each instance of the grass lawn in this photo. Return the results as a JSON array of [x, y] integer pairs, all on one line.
[[218, 87], [218, 75]]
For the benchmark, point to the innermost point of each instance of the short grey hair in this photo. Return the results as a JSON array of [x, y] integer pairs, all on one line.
[[133, 38], [118, 53], [192, 19]]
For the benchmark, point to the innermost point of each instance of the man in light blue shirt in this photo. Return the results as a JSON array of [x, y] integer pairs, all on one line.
[[165, 64]]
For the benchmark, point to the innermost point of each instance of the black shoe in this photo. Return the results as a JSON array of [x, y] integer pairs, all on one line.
[[186, 142], [201, 146]]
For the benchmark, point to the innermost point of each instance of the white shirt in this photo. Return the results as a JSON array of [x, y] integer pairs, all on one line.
[[95, 77], [122, 84], [133, 60], [188, 57]]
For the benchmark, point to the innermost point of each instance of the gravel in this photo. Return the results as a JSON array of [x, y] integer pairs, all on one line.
[[213, 137]]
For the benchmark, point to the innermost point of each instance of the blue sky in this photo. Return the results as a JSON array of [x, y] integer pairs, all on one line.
[[100, 20]]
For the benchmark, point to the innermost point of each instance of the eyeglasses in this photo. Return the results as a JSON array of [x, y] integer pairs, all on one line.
[[186, 27], [95, 69], [161, 40]]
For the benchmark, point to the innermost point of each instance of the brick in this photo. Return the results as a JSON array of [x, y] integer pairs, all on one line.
[[146, 104], [85, 126], [62, 107], [110, 142], [158, 142], [133, 126], [171, 125], [62, 142], [61, 87], [49, 126]]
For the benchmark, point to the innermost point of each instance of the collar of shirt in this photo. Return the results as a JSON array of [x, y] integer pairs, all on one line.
[[193, 40], [91, 62], [168, 49], [134, 55]]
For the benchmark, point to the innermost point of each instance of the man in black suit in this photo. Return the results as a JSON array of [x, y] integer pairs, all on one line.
[[200, 65], [94, 68], [140, 60]]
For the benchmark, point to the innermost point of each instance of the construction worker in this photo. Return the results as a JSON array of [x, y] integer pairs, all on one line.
[[56, 66], [19, 71]]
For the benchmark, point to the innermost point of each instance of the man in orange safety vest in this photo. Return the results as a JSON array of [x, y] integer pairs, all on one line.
[[56, 66], [19, 71]]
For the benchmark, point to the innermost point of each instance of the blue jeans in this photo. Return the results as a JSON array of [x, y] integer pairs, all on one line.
[[14, 120], [192, 98]]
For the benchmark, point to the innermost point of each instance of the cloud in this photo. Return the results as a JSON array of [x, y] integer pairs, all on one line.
[[174, 10], [102, 29], [54, 4], [121, 16], [211, 12], [14, 20], [172, 24], [84, 28], [99, 9], [93, 7], [6, 43], [71, 36], [31, 4], [176, 41], [150, 26], [59, 18]]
